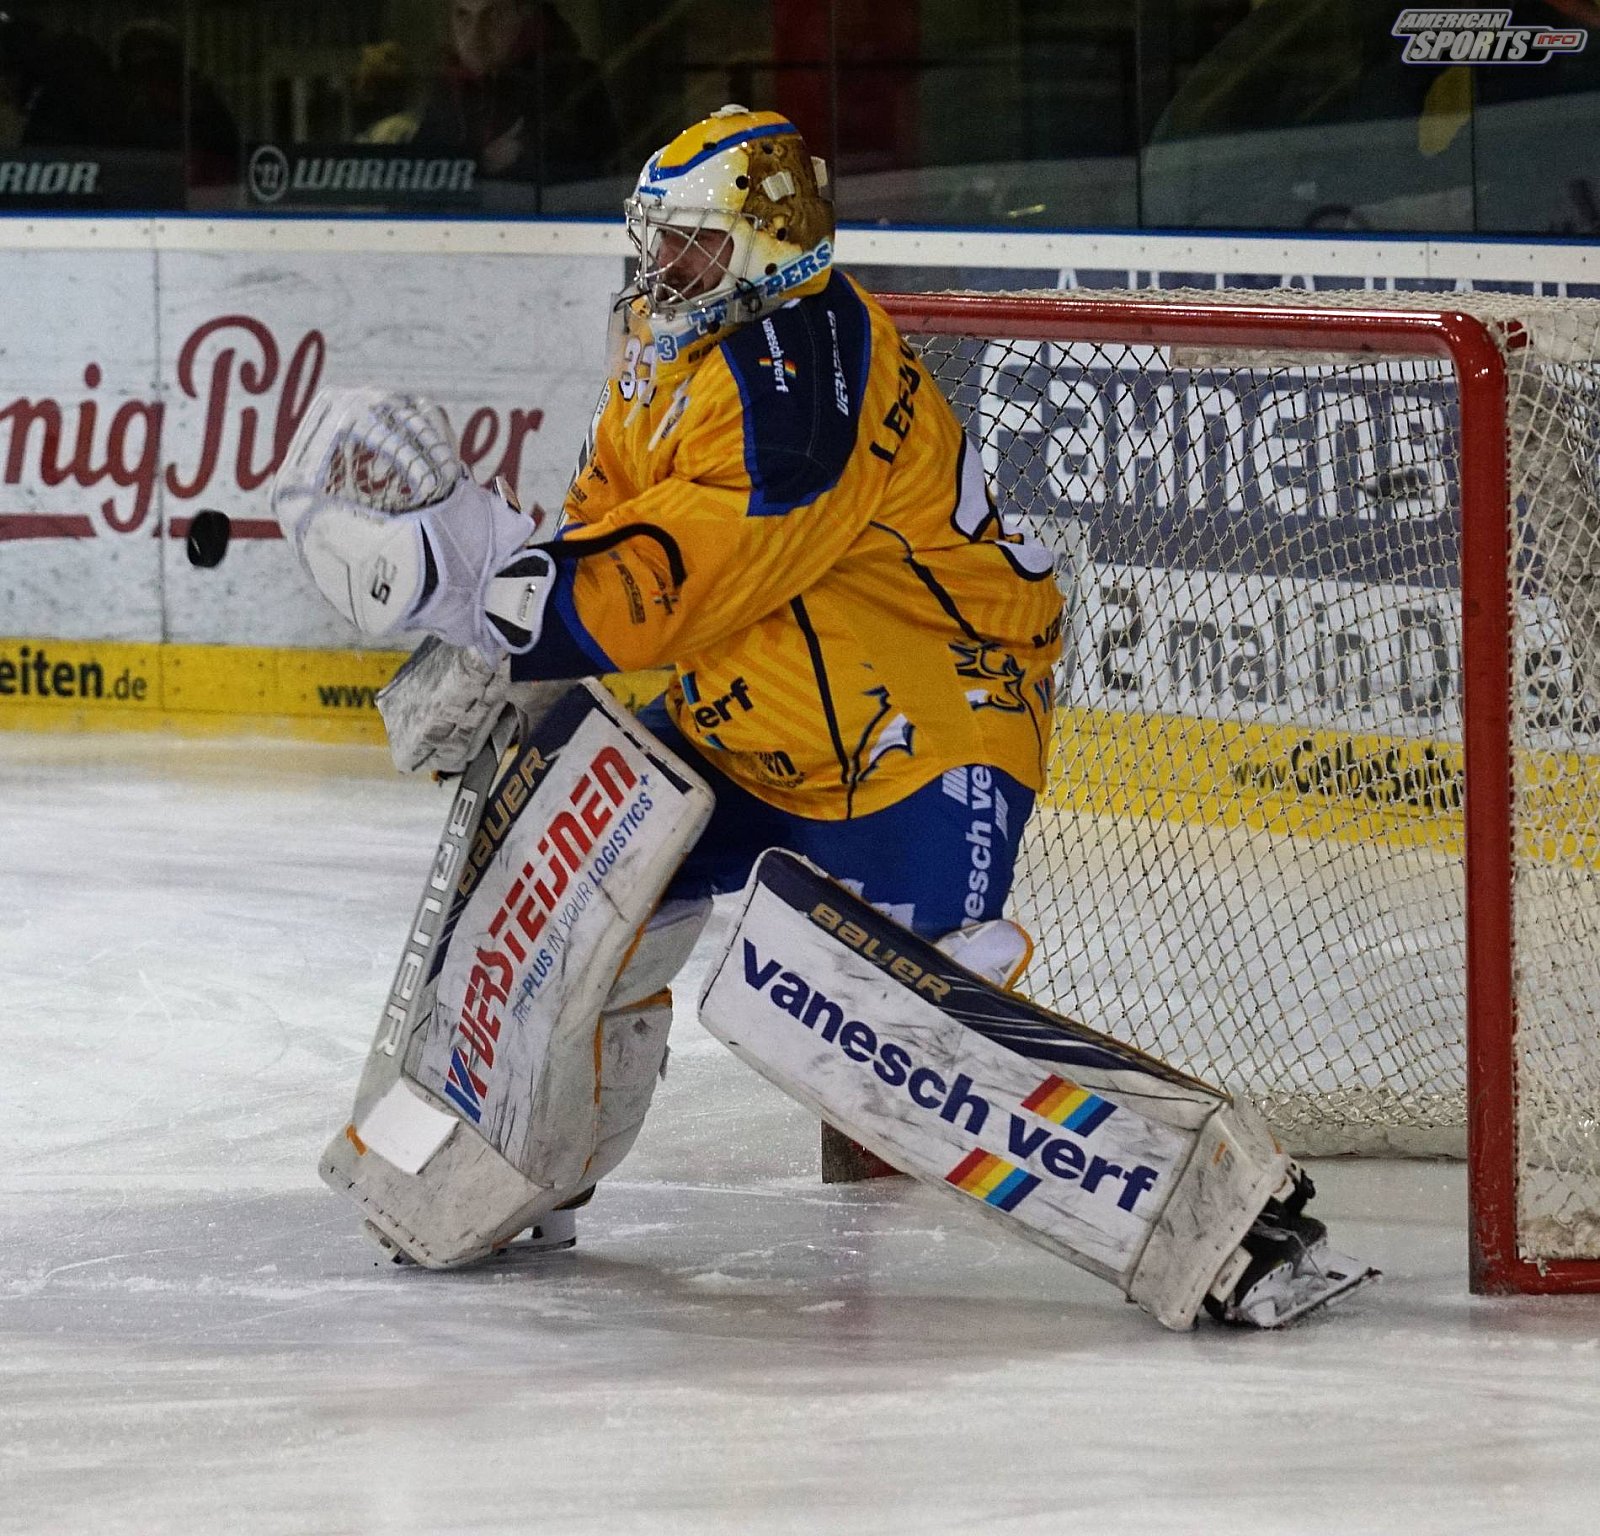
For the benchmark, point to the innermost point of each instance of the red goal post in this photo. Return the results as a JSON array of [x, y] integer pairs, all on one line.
[[1160, 426]]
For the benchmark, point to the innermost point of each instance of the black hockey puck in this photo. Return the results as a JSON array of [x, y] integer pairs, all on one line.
[[208, 538]]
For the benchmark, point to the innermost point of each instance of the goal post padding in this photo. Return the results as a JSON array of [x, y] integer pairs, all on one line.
[[1324, 807]]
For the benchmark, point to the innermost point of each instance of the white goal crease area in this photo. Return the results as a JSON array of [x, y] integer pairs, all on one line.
[[1323, 821]]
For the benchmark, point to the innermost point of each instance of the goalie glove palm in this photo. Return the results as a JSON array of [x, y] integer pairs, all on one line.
[[382, 516], [443, 704]]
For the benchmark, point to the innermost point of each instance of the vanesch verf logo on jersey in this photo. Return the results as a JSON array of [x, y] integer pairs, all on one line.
[[782, 369], [1481, 37]]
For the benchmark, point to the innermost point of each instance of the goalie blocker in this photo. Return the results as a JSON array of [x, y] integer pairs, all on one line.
[[1106, 1157]]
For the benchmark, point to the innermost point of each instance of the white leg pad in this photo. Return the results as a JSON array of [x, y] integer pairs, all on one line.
[[665, 944], [633, 1047], [466, 1202], [1114, 1161], [587, 1124], [528, 1025], [998, 950]]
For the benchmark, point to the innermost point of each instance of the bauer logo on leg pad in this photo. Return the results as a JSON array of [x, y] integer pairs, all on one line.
[[939, 1072]]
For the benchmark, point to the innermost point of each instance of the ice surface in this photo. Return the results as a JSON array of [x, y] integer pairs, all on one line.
[[194, 1337]]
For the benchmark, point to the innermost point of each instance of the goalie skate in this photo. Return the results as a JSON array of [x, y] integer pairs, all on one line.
[[1285, 1271], [554, 1232]]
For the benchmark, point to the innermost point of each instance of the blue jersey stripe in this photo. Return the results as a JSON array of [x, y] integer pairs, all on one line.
[[794, 369]]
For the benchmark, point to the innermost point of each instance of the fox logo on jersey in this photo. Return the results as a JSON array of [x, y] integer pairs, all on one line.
[[882, 735], [992, 665]]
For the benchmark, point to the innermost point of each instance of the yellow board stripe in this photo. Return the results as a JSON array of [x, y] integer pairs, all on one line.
[[1280, 780], [1292, 781], [50, 684], [324, 695]]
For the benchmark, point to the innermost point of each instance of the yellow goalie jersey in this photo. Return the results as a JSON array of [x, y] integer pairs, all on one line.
[[791, 516]]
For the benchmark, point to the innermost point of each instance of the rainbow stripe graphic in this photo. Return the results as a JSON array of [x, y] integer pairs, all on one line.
[[788, 368], [1069, 1105], [992, 1180]]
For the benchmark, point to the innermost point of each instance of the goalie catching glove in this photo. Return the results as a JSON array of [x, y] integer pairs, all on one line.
[[380, 512]]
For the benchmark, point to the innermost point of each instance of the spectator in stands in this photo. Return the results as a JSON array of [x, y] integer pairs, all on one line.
[[518, 94], [170, 107], [59, 87]]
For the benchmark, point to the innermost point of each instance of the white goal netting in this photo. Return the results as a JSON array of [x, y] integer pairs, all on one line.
[[1250, 857]]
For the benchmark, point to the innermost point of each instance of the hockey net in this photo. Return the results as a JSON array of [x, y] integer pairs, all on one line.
[[1280, 755]]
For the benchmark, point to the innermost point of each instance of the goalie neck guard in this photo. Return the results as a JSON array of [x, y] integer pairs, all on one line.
[[730, 220]]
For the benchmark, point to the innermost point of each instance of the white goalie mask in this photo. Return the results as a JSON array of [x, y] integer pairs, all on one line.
[[730, 219]]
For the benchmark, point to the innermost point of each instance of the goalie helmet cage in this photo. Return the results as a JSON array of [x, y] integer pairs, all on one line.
[[1323, 813]]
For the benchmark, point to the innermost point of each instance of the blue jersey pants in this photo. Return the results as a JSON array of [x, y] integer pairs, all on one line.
[[937, 860]]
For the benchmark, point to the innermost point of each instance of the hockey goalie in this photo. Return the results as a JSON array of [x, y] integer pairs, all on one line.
[[775, 502]]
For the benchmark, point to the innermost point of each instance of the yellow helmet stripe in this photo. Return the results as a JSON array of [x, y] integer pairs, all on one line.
[[660, 172]]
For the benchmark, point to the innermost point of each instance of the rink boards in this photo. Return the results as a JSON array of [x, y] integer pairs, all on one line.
[[107, 685]]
